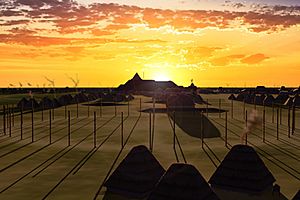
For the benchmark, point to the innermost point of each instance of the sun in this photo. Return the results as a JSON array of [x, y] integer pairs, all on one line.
[[161, 77]]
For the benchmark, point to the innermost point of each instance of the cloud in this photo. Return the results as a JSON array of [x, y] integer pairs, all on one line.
[[254, 59]]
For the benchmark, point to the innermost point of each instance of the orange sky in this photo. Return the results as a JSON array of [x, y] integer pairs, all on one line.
[[105, 44]]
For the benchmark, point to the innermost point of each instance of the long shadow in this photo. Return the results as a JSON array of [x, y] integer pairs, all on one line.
[[190, 122]]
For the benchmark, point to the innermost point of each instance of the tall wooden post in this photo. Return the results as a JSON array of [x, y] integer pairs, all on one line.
[[9, 120], [246, 124], [289, 122], [202, 130], [122, 131], [231, 108], [153, 124], [207, 108], [272, 113], [219, 108], [150, 138], [4, 119], [264, 125], [32, 125], [77, 109], [50, 126], [13, 115], [69, 128], [280, 113], [115, 107], [53, 112], [95, 129], [174, 133], [65, 111], [293, 120], [21, 123], [277, 124], [101, 107], [226, 129]]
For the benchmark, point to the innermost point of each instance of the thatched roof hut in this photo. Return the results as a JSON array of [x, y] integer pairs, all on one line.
[[240, 97], [269, 100], [296, 101], [46, 103], [242, 170], [137, 174], [180, 101], [66, 100], [182, 182], [22, 103], [281, 99], [55, 103], [297, 196], [232, 97], [198, 99], [129, 97]]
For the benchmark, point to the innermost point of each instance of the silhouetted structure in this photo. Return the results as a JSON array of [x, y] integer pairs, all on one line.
[[46, 103], [232, 97], [23, 103], [296, 101], [66, 100], [269, 100], [281, 99], [180, 101], [182, 182], [136, 176], [243, 175]]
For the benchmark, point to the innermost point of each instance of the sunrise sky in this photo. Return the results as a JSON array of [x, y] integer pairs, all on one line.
[[213, 42]]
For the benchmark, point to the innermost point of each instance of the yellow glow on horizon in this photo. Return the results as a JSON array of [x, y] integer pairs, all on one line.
[[161, 77]]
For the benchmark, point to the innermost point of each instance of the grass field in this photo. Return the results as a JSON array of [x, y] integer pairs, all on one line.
[[39, 170]]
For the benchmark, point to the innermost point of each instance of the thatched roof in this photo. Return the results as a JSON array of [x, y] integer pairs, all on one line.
[[136, 175], [22, 103], [297, 196], [182, 182], [281, 99], [242, 170], [240, 97], [180, 101], [297, 100], [232, 97], [269, 100]]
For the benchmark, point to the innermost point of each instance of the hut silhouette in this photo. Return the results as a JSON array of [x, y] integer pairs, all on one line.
[[23, 103], [269, 100], [66, 100], [281, 99], [80, 98], [296, 101], [259, 99], [232, 97], [136, 176], [46, 103], [180, 101], [289, 102], [182, 182], [297, 196], [55, 103], [240, 97], [243, 175]]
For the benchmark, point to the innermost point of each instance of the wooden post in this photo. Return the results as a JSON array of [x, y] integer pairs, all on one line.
[[231, 108], [226, 128], [32, 125], [150, 138], [219, 108], [13, 115], [9, 120], [277, 124], [264, 125], [7, 117], [69, 128], [293, 120], [153, 124], [77, 109], [122, 131], [280, 112], [21, 123], [289, 122], [246, 124], [207, 108], [174, 133], [202, 130], [50, 126], [95, 129], [272, 113], [128, 108], [115, 108], [53, 112], [4, 119]]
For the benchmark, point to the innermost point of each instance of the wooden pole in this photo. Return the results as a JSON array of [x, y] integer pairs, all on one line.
[[293, 120], [150, 138], [264, 125], [53, 112], [174, 133], [231, 108], [128, 108], [115, 108], [202, 130], [246, 123], [4, 119], [226, 128], [69, 128], [77, 108], [32, 125], [50, 126], [21, 123], [13, 115], [101, 107], [122, 131], [272, 113], [153, 124], [289, 122], [280, 120], [277, 124], [95, 129], [207, 108], [219, 108], [9, 119]]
